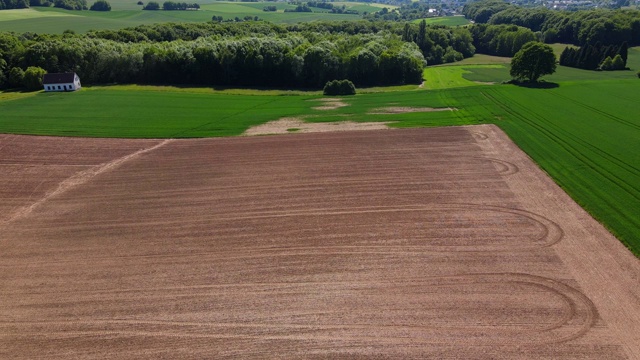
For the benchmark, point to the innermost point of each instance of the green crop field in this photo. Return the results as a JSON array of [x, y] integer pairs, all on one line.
[[125, 13], [446, 77], [144, 114], [481, 69]]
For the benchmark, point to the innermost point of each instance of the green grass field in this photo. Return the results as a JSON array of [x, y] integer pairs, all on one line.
[[446, 20], [585, 132], [128, 14], [481, 69], [118, 113]]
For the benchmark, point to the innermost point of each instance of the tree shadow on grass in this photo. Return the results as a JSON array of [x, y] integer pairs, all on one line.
[[20, 90], [535, 84]]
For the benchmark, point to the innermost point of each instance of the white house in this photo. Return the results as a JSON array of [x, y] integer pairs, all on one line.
[[61, 82]]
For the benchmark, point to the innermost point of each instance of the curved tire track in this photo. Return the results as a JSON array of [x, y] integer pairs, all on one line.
[[576, 319]]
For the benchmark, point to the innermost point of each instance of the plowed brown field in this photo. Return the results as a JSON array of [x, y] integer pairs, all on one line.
[[440, 243]]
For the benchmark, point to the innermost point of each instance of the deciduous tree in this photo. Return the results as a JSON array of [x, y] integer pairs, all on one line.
[[33, 76], [534, 60]]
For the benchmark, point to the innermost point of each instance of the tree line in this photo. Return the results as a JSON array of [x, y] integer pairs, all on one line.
[[253, 53], [13, 4], [99, 5], [288, 60], [439, 44], [574, 27], [596, 57], [170, 5]]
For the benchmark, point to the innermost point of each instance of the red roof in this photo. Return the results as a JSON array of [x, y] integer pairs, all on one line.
[[61, 78]]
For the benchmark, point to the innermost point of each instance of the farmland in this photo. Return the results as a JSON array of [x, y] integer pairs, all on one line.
[[128, 14], [472, 219], [399, 243], [585, 137], [404, 243]]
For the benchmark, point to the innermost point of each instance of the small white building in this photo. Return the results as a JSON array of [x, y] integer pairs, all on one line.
[[61, 82]]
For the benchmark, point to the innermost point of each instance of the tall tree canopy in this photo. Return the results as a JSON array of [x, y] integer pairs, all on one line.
[[610, 27], [534, 60]]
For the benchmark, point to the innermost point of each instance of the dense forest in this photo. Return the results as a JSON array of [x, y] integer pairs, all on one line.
[[608, 27], [247, 54], [500, 40]]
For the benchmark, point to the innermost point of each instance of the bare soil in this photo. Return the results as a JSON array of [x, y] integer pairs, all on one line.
[[402, 110], [284, 126], [329, 104], [413, 243]]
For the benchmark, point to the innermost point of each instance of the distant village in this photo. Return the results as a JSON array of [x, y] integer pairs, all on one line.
[[453, 7]]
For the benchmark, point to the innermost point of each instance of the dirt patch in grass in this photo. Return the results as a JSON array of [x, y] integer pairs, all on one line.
[[329, 104], [297, 125], [404, 109]]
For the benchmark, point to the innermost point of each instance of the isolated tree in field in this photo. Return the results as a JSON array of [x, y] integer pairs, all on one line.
[[534, 60]]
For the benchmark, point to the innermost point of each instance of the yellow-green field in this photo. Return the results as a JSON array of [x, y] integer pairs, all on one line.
[[126, 13], [28, 14]]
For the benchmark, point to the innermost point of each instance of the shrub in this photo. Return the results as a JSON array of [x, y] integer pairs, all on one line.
[[638, 74], [140, 3], [339, 87], [101, 5], [33, 78]]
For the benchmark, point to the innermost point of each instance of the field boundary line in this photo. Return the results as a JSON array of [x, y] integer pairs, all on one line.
[[80, 178]]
